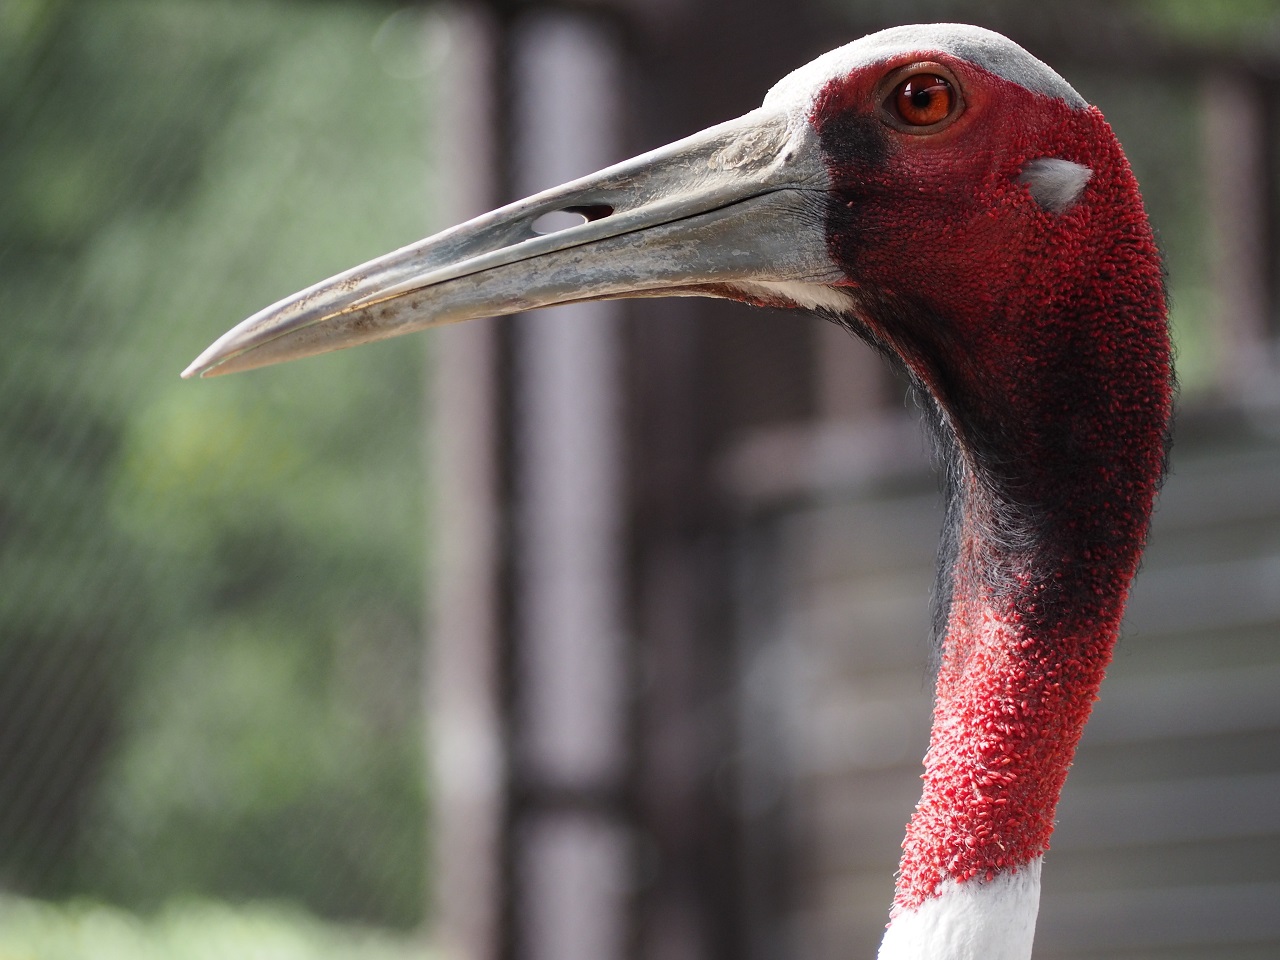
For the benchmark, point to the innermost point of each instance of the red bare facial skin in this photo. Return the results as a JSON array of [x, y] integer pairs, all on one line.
[[998, 306]]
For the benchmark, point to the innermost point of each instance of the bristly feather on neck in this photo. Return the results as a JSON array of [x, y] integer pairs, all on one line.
[[977, 484], [983, 496]]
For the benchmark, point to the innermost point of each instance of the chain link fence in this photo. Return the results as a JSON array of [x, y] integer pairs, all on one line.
[[211, 614]]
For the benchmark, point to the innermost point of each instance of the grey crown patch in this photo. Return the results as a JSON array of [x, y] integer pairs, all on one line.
[[984, 48]]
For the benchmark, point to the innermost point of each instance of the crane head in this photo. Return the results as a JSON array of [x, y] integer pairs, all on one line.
[[929, 186]]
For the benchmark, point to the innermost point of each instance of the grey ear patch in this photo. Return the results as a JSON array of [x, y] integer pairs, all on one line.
[[1055, 183]]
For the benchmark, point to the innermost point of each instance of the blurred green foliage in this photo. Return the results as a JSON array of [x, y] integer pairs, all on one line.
[[210, 628], [190, 930], [1230, 21]]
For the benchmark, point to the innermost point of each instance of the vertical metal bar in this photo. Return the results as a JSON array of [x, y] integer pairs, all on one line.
[[1234, 121], [465, 715], [703, 373], [572, 857]]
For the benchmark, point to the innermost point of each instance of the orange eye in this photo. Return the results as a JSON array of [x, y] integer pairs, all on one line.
[[922, 100]]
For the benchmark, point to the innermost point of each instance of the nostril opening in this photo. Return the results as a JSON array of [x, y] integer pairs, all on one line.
[[593, 211], [557, 220], [553, 221]]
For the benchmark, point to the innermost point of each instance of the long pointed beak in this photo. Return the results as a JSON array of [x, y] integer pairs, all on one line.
[[726, 212]]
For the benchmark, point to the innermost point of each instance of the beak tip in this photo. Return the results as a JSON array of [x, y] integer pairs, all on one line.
[[199, 368]]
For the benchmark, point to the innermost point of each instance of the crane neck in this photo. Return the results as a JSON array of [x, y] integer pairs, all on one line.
[[1022, 660], [1047, 518], [1023, 657]]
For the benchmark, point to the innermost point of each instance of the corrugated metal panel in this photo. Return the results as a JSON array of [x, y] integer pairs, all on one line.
[[1168, 843]]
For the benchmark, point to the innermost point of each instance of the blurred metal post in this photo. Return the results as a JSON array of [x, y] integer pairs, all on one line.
[[703, 373], [465, 714], [571, 859], [527, 675], [1234, 137], [589, 568]]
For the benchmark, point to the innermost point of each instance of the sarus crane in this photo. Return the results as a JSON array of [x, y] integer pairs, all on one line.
[[954, 202]]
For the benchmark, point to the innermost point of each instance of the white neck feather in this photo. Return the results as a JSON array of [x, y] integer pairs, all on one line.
[[970, 921]]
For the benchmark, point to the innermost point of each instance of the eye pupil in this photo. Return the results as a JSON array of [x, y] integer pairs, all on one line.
[[923, 100]]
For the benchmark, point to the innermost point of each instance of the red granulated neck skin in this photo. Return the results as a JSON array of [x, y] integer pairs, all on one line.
[[1040, 342]]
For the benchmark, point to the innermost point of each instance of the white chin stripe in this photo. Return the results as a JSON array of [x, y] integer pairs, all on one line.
[[970, 921], [1055, 183], [810, 296]]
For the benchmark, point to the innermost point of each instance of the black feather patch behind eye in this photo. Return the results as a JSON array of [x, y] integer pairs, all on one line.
[[859, 141]]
